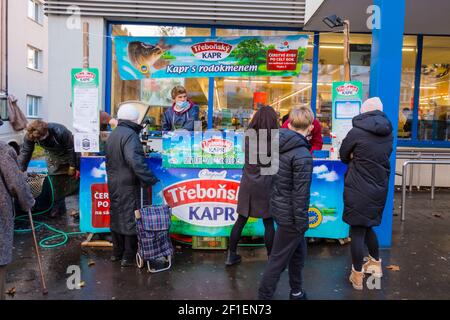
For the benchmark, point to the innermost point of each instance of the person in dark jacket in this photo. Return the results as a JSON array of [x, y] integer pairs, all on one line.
[[289, 206], [13, 186], [57, 141], [254, 190], [366, 149], [183, 112], [127, 174]]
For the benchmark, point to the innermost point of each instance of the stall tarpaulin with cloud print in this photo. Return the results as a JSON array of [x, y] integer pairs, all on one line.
[[188, 57], [204, 200]]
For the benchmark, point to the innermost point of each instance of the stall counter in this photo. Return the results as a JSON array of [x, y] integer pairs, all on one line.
[[204, 200]]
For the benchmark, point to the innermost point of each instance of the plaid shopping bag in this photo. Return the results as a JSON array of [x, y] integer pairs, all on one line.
[[153, 224], [156, 218]]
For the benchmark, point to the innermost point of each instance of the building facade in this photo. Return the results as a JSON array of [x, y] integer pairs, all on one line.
[[24, 59], [423, 110]]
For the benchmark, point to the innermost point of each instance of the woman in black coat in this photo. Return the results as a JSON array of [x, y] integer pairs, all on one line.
[[366, 149], [254, 190], [127, 173]]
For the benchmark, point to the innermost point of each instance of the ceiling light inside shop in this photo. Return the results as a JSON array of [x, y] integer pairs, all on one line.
[[291, 95], [251, 81], [330, 46]]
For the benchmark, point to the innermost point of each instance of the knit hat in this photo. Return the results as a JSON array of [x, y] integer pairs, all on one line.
[[372, 104], [128, 112]]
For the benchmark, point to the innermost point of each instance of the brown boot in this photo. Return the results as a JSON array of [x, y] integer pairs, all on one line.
[[356, 278], [373, 267]]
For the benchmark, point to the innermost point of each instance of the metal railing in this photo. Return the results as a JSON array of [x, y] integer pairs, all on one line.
[[433, 178], [436, 154]]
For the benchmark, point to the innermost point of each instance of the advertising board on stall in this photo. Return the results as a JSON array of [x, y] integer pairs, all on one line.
[[85, 105], [209, 149], [204, 197], [347, 101], [189, 57]]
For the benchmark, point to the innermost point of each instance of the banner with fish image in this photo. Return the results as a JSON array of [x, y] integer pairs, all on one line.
[[188, 57]]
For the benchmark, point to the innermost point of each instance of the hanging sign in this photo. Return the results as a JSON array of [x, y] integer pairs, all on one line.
[[187, 57], [347, 100], [85, 105]]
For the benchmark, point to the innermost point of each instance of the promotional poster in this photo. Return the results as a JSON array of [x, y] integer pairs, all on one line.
[[347, 101], [85, 105], [189, 57], [209, 149], [204, 200]]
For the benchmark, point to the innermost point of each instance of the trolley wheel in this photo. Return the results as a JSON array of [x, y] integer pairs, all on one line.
[[139, 260], [168, 259]]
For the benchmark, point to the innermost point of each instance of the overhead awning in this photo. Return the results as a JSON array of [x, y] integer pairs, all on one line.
[[268, 13], [429, 17]]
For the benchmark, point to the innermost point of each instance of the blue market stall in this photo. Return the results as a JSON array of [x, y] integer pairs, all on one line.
[[201, 184]]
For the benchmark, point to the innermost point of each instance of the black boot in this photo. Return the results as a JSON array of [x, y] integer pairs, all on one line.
[[232, 258], [127, 263], [59, 209], [115, 258]]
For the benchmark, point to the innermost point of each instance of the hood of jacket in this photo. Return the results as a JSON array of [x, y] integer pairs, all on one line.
[[291, 140], [375, 122], [130, 124]]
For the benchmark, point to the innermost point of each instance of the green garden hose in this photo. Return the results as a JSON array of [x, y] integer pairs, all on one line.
[[60, 234], [65, 235]]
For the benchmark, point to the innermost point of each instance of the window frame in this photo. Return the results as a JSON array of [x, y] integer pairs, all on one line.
[[38, 53], [38, 11], [409, 142], [36, 106], [212, 28]]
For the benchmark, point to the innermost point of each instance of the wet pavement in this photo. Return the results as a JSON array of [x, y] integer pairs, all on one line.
[[421, 248]]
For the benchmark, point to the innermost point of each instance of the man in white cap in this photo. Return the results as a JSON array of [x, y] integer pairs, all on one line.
[[127, 173]]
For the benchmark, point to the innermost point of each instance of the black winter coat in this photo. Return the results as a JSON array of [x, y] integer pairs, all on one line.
[[289, 202], [127, 172], [254, 190], [367, 149], [60, 150]]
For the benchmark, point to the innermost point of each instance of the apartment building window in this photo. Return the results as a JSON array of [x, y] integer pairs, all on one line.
[[34, 60], [33, 106], [35, 11], [3, 108]]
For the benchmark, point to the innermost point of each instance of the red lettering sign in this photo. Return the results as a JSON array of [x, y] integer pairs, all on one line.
[[100, 205], [282, 60], [198, 191], [211, 46]]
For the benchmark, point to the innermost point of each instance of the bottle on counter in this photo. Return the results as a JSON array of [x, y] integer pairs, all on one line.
[[334, 150]]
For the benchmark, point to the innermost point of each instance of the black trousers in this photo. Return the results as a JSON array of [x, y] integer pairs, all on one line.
[[363, 237], [2, 281], [289, 250], [124, 246], [235, 236]]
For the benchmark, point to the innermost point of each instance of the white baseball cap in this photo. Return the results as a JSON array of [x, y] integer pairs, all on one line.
[[128, 112]]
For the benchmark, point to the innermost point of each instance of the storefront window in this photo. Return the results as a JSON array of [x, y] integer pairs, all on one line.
[[156, 92], [236, 97], [434, 105], [406, 108], [331, 68]]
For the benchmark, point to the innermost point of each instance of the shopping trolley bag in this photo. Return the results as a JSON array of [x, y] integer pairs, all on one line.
[[153, 224]]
